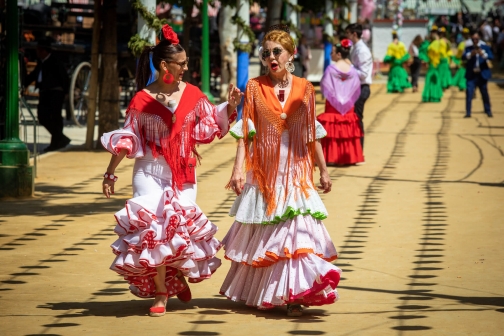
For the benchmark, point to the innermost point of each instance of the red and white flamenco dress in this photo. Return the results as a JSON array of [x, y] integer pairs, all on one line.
[[342, 144], [162, 224], [281, 256]]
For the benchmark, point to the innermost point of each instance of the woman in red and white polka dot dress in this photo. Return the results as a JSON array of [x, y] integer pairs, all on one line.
[[163, 234]]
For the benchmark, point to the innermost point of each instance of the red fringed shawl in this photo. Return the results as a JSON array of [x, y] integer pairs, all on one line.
[[176, 140]]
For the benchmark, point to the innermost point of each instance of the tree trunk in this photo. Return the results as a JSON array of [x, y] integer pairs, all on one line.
[[274, 15], [108, 119], [93, 83], [227, 33]]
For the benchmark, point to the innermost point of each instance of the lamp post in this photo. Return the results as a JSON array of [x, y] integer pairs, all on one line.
[[328, 30], [16, 174], [242, 56], [205, 53]]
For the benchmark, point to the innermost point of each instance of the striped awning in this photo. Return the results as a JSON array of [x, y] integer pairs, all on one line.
[[480, 6], [434, 7]]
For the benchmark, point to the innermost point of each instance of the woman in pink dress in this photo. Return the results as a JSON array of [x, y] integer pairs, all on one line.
[[341, 87], [163, 234]]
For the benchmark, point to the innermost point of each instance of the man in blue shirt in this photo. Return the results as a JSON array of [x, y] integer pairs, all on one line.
[[477, 72]]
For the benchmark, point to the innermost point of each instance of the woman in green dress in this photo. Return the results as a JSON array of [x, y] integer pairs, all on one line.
[[432, 91], [396, 56], [445, 73], [459, 79]]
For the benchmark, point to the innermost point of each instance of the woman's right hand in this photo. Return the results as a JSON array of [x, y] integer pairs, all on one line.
[[237, 182], [108, 187]]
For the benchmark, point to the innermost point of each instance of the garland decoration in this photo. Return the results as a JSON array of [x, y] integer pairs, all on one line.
[[245, 30], [293, 28], [137, 43]]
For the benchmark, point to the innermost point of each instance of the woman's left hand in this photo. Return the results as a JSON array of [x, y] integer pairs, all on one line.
[[325, 182], [234, 96]]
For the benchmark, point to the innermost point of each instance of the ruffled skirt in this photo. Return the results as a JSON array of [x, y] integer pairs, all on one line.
[[445, 73], [432, 92], [459, 79], [286, 261], [397, 79], [162, 227], [342, 144]]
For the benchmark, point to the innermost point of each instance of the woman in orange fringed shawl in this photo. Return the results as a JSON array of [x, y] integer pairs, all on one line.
[[163, 234], [279, 249]]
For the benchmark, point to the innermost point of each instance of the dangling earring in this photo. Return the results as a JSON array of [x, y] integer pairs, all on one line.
[[289, 66], [168, 77]]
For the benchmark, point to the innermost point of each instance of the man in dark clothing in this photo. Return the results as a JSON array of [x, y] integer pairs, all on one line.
[[52, 81], [478, 73]]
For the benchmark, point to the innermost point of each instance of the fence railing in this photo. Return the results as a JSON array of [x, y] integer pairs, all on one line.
[[25, 122]]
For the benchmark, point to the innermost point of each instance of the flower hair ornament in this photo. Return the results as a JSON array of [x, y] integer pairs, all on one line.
[[168, 34], [345, 43]]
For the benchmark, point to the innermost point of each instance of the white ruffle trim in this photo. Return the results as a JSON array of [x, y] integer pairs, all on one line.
[[237, 130], [111, 140], [262, 245], [320, 131], [164, 228], [250, 206]]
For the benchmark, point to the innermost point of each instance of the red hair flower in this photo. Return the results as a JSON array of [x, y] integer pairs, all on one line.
[[169, 34], [346, 43]]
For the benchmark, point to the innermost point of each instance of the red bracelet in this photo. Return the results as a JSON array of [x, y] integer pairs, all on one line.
[[110, 177]]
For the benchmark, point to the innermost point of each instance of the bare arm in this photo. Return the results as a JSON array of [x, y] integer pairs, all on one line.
[[325, 179], [108, 185], [237, 181], [234, 99]]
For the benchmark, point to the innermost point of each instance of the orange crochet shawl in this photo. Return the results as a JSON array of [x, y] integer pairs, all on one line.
[[262, 152]]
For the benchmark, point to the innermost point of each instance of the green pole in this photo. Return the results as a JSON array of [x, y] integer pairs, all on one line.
[[205, 53], [16, 174], [12, 94]]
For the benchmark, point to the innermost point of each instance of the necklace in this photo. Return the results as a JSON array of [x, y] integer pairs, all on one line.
[[172, 103], [282, 84]]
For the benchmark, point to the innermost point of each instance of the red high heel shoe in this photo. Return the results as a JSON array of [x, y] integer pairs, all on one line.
[[185, 296], [159, 311]]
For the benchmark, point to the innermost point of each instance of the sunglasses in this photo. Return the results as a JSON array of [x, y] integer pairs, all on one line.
[[267, 53], [180, 64]]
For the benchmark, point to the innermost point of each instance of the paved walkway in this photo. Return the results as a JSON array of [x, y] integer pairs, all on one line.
[[418, 227]]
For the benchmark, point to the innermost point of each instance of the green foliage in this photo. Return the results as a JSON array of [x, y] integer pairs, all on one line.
[[245, 30], [136, 43], [292, 27]]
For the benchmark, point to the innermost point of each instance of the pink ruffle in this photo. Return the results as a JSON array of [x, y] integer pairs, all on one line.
[[262, 245], [163, 229], [307, 280]]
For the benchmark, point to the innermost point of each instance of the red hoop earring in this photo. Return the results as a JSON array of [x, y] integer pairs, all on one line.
[[168, 78]]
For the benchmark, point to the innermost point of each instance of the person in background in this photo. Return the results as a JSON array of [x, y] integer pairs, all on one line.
[[305, 56], [340, 85], [362, 59], [417, 63], [396, 56], [432, 91], [477, 73], [459, 79], [486, 31], [444, 65], [52, 81]]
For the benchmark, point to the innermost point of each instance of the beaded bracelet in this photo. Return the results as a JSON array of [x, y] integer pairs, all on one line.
[[110, 177]]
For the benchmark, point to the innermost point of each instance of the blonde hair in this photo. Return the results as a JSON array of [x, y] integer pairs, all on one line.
[[281, 37]]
